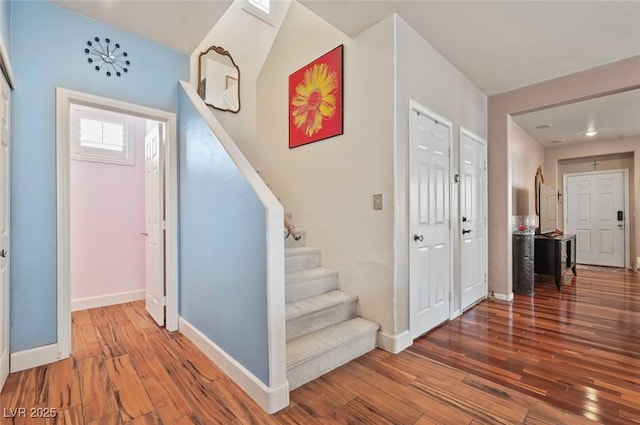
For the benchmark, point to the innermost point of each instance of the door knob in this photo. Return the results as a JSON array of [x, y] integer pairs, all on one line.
[[418, 238], [465, 231], [3, 253], [464, 219]]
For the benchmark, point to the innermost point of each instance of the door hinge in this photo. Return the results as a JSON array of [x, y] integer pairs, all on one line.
[[449, 152], [450, 297], [449, 224], [485, 165], [163, 225]]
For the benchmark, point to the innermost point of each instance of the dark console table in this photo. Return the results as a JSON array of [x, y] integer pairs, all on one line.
[[554, 255]]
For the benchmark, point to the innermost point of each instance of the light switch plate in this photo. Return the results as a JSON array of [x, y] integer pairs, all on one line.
[[377, 201]]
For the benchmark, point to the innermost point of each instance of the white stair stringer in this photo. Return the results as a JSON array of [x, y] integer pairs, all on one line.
[[312, 355], [322, 327], [319, 312]]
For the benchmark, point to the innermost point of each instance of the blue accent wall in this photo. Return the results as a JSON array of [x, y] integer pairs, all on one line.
[[223, 287], [47, 50], [5, 21]]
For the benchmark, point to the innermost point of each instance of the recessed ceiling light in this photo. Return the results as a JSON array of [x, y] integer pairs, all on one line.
[[557, 141], [590, 133], [543, 126]]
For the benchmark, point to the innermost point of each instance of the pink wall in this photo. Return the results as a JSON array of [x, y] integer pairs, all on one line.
[[107, 216], [606, 79]]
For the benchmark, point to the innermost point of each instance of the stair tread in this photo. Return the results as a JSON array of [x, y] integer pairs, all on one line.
[[308, 274], [317, 303], [303, 250], [310, 346]]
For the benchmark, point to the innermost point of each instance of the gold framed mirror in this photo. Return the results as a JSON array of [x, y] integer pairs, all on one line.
[[219, 80]]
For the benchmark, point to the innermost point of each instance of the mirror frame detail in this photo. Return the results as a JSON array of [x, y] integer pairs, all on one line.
[[200, 88]]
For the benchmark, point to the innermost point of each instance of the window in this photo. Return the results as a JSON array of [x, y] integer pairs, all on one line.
[[262, 9], [101, 135]]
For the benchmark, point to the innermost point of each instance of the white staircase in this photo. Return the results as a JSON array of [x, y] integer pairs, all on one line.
[[323, 330]]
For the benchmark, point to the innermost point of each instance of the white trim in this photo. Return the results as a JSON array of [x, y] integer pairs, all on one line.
[[503, 297], [626, 193], [106, 300], [274, 216], [4, 55], [394, 343], [415, 106], [270, 399], [22, 360], [64, 98]]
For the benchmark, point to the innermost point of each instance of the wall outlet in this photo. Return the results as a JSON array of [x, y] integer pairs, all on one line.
[[377, 201]]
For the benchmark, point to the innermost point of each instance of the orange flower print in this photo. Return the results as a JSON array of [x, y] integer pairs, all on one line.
[[315, 98]]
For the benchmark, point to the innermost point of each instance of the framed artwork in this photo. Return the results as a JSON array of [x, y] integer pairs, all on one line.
[[315, 100]]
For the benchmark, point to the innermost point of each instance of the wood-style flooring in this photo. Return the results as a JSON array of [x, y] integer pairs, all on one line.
[[531, 362]]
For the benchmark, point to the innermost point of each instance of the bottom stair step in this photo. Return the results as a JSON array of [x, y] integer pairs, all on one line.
[[317, 353]]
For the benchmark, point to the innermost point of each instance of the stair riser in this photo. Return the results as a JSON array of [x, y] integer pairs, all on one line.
[[330, 360], [310, 288], [292, 243], [301, 262], [319, 320]]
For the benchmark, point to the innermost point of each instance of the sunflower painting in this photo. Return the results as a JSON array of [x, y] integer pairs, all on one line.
[[315, 100]]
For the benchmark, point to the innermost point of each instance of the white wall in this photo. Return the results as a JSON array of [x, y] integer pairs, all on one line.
[[248, 40], [526, 155], [425, 76], [328, 185], [554, 158]]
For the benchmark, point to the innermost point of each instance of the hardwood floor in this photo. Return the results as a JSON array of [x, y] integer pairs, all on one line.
[[499, 364]]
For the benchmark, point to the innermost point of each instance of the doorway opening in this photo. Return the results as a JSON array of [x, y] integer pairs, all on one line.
[[92, 132]]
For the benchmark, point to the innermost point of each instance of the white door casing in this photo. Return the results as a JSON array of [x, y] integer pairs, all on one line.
[[64, 98], [592, 203], [5, 137], [430, 221], [154, 218], [473, 218]]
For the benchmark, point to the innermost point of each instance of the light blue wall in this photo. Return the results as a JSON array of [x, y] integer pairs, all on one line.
[[5, 21], [223, 288], [47, 44]]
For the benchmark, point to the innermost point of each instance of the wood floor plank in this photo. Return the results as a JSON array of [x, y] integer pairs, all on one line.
[[85, 342], [294, 415], [95, 389], [131, 395], [366, 413], [69, 416], [64, 386], [110, 419], [243, 407]]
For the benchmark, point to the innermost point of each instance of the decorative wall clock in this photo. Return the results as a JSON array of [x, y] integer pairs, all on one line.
[[107, 57]]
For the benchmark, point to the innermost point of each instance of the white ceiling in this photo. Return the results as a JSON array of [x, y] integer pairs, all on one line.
[[178, 24], [613, 117], [505, 45]]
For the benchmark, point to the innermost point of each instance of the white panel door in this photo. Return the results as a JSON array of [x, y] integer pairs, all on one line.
[[430, 238], [5, 100], [593, 202], [473, 210], [154, 216]]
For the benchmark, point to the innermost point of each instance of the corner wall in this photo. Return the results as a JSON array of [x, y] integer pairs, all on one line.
[[526, 155]]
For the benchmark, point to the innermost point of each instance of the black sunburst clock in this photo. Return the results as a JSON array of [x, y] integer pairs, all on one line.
[[107, 56]]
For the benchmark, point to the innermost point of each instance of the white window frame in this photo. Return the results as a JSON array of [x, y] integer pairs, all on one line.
[[85, 153], [259, 12]]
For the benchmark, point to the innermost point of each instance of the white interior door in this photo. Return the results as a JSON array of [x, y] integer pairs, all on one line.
[[473, 223], [5, 99], [154, 218], [430, 224], [593, 204]]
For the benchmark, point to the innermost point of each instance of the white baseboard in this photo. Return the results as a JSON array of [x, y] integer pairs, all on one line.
[[106, 300], [503, 297], [33, 357], [270, 399], [394, 343]]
